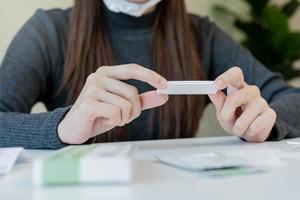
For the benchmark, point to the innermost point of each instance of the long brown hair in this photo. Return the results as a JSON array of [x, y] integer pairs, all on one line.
[[175, 55]]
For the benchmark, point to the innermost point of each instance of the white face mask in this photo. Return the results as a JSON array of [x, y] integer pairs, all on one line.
[[129, 8]]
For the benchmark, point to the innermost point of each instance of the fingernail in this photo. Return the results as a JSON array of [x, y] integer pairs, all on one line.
[[219, 83], [164, 83]]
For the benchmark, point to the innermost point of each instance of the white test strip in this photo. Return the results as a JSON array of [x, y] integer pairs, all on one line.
[[189, 88]]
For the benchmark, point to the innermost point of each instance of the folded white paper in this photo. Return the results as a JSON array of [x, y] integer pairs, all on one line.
[[8, 157]]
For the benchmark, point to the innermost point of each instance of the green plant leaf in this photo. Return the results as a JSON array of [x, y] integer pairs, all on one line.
[[290, 46], [290, 7], [268, 36], [253, 31], [277, 23], [257, 6]]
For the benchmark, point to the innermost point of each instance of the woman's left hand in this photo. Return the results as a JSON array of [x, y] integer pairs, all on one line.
[[243, 112]]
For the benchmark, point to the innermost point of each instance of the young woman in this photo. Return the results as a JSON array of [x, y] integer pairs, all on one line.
[[79, 63]]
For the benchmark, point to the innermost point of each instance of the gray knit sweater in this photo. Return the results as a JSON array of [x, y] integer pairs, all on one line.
[[32, 71]]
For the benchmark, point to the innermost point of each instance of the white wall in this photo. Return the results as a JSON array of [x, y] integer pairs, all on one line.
[[14, 13]]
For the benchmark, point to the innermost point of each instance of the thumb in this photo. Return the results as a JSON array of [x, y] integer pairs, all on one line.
[[218, 100], [152, 99]]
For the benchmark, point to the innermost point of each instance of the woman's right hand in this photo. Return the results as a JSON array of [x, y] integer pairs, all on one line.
[[106, 102]]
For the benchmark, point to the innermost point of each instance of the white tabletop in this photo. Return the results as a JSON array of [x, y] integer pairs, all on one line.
[[157, 181]]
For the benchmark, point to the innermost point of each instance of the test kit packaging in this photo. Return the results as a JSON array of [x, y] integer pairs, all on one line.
[[97, 163]]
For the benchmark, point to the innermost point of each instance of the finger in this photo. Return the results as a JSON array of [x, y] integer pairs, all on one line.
[[237, 99], [232, 77], [218, 100], [93, 109], [263, 122], [109, 98], [251, 112], [134, 71], [125, 91], [152, 99], [260, 136], [101, 125]]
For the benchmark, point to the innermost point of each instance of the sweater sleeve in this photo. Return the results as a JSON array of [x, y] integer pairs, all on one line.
[[285, 100], [24, 74]]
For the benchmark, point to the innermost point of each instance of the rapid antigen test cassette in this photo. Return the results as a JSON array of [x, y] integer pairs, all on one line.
[[189, 88]]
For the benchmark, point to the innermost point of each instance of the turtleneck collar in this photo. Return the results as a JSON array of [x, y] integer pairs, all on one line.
[[124, 23]]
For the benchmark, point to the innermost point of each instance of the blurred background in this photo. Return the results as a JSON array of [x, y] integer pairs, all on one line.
[[270, 29]]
